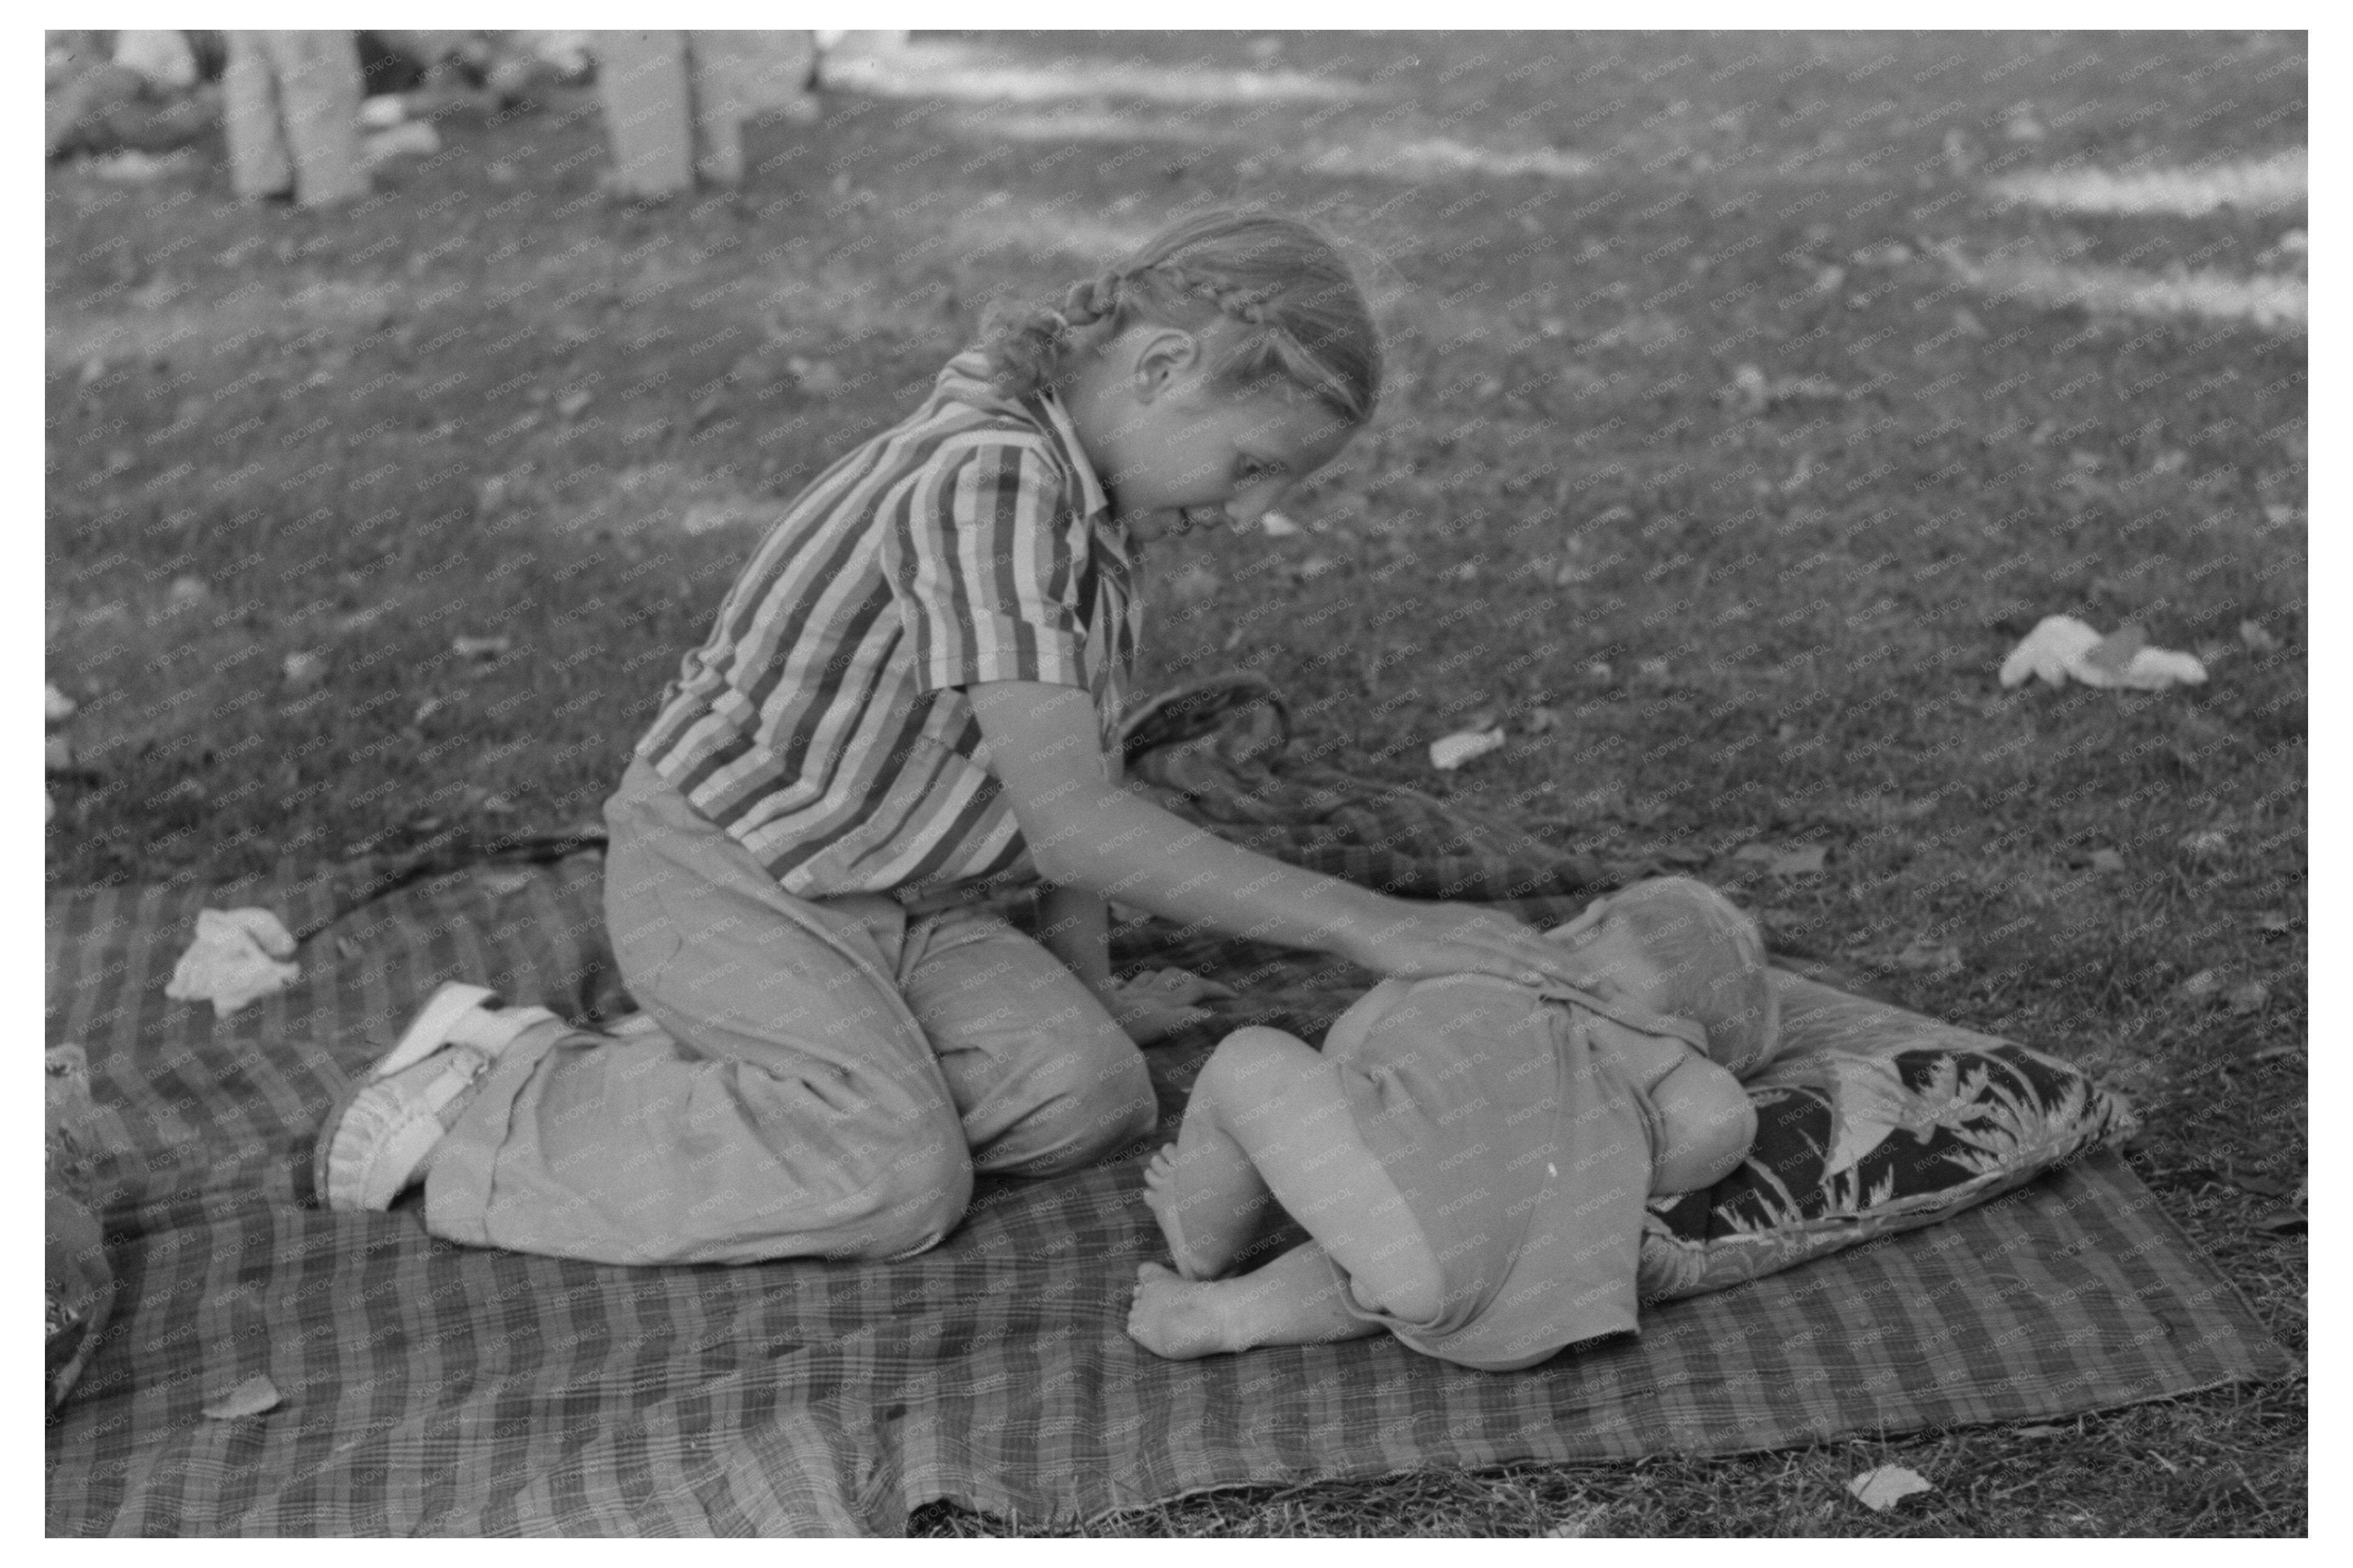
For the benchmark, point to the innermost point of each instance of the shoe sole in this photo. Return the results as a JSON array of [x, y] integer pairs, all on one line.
[[427, 1032]]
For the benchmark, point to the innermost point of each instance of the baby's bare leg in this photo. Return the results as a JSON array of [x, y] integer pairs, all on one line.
[[1293, 1301], [1204, 1189], [1269, 1116]]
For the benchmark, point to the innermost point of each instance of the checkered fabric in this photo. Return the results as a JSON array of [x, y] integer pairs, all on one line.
[[429, 1389]]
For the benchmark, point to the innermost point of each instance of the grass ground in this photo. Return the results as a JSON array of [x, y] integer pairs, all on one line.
[[374, 528]]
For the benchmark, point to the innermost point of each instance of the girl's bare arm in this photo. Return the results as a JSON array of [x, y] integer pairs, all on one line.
[[1084, 831]]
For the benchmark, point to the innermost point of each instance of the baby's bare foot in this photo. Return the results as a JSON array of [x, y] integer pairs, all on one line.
[[1160, 1197], [1176, 1317]]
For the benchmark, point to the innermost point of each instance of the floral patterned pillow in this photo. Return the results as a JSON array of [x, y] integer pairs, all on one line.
[[1873, 1120]]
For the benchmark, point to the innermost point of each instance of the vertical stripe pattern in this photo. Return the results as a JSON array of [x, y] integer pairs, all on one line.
[[821, 723]]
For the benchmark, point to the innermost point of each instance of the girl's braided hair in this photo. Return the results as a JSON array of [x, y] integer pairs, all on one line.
[[1302, 316]]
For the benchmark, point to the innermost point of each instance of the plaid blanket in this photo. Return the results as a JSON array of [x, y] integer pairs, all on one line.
[[427, 1389]]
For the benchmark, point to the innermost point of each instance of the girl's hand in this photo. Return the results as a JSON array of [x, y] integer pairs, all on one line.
[[1157, 1003], [1419, 940]]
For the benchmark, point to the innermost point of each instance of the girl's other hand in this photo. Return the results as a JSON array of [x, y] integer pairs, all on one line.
[[1157, 1003], [1421, 941]]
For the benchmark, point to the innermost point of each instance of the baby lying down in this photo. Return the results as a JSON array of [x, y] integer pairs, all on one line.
[[1469, 1156]]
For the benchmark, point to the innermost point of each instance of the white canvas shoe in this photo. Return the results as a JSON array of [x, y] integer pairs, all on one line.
[[381, 1131]]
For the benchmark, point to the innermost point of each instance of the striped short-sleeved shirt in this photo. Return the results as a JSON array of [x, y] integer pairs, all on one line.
[[821, 725]]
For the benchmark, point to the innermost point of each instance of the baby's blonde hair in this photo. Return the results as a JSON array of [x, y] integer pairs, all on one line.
[[1302, 317], [1713, 963]]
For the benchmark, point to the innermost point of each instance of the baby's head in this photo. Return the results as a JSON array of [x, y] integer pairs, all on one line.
[[1679, 947], [1249, 310]]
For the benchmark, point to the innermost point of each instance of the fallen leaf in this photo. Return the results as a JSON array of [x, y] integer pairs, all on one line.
[[427, 709], [2206, 844], [2282, 1222], [2249, 997], [1540, 721], [2107, 860], [1650, 668], [2043, 1432], [2203, 984], [304, 669], [58, 754], [571, 403], [252, 1397], [2257, 639], [347, 949], [1883, 1488], [2274, 920], [2056, 643], [1276, 525], [57, 706], [1450, 752], [503, 884], [1315, 566], [2061, 647], [484, 649]]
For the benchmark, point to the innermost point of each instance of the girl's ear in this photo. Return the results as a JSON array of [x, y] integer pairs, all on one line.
[[1161, 356]]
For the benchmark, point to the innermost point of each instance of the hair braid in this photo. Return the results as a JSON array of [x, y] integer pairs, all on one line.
[[1305, 320], [1085, 303]]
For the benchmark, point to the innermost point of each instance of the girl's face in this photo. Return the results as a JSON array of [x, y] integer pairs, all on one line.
[[1174, 452]]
